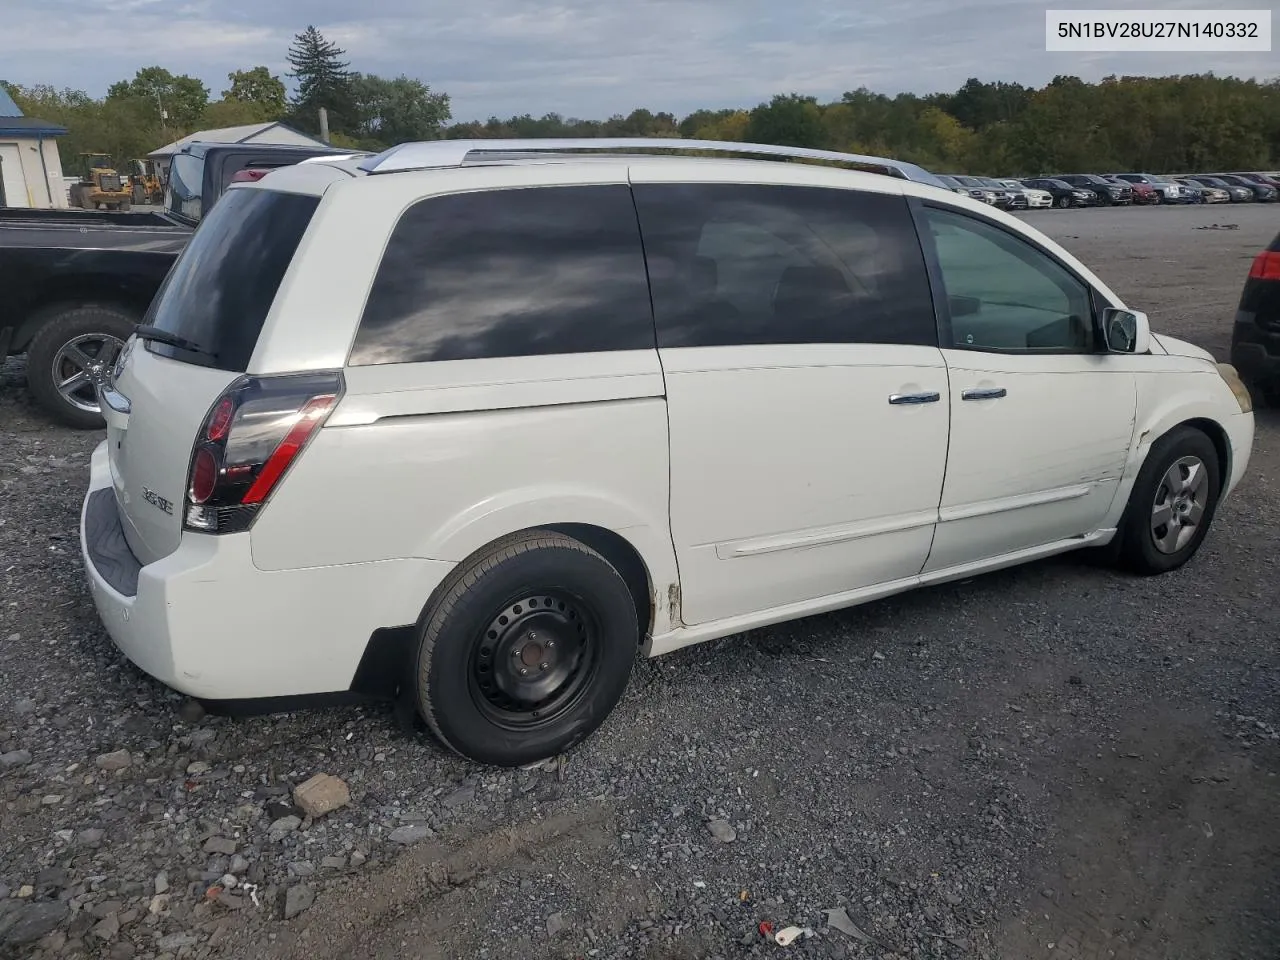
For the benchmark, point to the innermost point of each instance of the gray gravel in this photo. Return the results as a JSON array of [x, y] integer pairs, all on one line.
[[1052, 761]]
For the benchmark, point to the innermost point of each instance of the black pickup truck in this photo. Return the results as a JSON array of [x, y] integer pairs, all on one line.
[[74, 283]]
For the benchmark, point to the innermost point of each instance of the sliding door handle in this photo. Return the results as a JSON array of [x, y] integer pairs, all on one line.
[[905, 398], [990, 393]]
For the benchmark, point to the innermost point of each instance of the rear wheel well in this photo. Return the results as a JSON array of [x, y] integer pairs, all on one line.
[[625, 559], [90, 296]]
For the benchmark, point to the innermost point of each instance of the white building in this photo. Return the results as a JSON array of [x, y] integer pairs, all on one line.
[[30, 168]]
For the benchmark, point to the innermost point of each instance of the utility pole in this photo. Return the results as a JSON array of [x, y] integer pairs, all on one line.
[[164, 128]]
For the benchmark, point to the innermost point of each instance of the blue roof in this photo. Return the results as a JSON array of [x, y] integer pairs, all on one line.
[[7, 107]]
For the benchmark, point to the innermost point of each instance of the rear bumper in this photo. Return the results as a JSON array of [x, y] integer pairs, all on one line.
[[208, 623], [1255, 352]]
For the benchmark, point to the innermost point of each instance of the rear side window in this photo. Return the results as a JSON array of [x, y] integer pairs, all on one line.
[[218, 293], [751, 264], [509, 273]]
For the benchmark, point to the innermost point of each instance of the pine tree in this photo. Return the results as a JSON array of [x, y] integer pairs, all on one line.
[[323, 81]]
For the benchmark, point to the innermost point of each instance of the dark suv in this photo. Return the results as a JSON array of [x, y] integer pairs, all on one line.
[[1255, 338], [1109, 194]]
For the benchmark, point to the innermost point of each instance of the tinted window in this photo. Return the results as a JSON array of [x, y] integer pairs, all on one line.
[[1005, 294], [218, 293], [507, 273], [739, 264]]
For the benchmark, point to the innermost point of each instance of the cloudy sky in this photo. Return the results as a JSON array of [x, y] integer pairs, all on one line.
[[586, 58]]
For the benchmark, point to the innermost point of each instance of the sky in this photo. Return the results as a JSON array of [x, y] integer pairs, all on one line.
[[587, 58]]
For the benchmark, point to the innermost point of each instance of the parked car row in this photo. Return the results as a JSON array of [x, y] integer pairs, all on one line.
[[1115, 189]]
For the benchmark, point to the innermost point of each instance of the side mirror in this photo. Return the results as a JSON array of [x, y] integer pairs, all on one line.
[[1126, 331]]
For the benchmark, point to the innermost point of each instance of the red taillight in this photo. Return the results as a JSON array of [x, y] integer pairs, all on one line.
[[1266, 266], [309, 417], [251, 436], [204, 476], [220, 421]]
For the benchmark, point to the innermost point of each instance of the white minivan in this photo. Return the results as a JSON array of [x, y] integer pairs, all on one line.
[[471, 423]]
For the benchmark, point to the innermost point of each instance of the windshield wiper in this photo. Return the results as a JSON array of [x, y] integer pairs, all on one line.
[[144, 332]]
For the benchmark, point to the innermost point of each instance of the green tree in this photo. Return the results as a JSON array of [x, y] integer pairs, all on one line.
[[787, 120], [177, 101], [399, 110], [259, 87], [323, 81]]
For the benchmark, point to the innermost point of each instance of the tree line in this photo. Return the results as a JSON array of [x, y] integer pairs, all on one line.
[[1196, 122]]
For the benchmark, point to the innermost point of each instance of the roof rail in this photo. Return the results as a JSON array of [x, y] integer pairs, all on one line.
[[430, 154]]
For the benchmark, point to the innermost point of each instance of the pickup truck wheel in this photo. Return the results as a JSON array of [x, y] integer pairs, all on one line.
[[72, 352]]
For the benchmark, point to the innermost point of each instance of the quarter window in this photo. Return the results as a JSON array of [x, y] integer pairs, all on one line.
[[752, 264], [1004, 294], [506, 273]]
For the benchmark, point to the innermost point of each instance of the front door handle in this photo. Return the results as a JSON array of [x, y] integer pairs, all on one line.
[[904, 398], [989, 393]]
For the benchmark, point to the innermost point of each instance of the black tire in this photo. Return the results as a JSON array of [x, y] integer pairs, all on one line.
[[62, 325], [480, 633], [1139, 551], [1062, 202]]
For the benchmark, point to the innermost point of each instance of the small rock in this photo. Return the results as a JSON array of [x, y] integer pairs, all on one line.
[[298, 898], [321, 794], [51, 800], [358, 859], [15, 758], [26, 890], [333, 863], [176, 941], [197, 768], [302, 868], [159, 905], [410, 833], [35, 920], [229, 880], [191, 711], [877, 655], [116, 760], [1047, 893], [723, 831], [64, 835], [459, 797], [107, 928], [122, 951], [24, 708], [954, 899], [282, 828], [91, 835], [220, 845], [162, 882], [230, 900], [239, 865], [555, 923]]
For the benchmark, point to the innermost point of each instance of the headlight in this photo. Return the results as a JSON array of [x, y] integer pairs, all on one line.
[[1232, 378]]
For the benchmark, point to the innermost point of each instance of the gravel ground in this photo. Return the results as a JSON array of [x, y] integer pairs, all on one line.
[[1053, 761]]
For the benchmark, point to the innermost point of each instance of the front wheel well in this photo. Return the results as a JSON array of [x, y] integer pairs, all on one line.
[[1221, 444]]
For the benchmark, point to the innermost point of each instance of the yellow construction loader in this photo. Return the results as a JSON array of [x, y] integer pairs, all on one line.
[[145, 182], [101, 186]]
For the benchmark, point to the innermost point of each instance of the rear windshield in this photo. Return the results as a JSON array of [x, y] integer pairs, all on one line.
[[218, 293]]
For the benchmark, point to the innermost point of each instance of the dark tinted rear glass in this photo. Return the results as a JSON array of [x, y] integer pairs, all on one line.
[[507, 273], [748, 264], [218, 293]]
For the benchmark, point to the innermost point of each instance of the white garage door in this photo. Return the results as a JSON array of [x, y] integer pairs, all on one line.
[[15, 184]]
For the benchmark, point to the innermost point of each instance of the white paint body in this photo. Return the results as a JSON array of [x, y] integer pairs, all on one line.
[[756, 483]]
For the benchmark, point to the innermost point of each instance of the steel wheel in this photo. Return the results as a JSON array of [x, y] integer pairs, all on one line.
[[534, 660], [1179, 504]]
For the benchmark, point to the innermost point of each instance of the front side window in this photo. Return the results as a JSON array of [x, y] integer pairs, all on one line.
[[734, 264], [509, 273], [1004, 294]]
